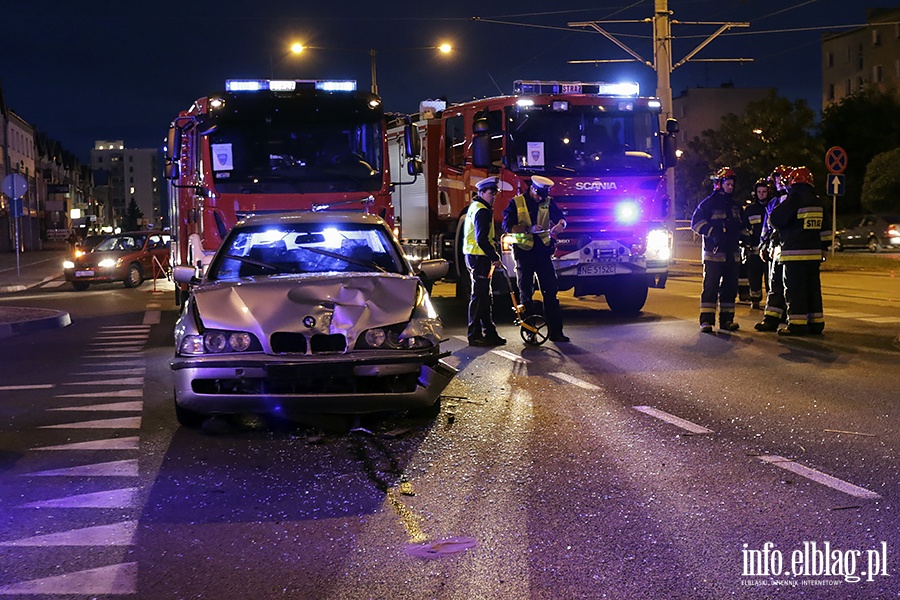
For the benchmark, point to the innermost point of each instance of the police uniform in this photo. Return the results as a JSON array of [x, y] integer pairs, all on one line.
[[722, 224], [804, 225], [534, 251], [480, 252]]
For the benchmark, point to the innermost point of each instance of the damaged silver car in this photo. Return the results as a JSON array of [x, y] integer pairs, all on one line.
[[308, 313]]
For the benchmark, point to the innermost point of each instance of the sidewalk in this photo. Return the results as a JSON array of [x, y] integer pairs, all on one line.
[[34, 268]]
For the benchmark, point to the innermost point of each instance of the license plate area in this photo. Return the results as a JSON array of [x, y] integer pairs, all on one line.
[[84, 273], [597, 269]]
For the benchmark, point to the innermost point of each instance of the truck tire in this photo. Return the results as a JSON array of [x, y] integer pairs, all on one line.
[[627, 297]]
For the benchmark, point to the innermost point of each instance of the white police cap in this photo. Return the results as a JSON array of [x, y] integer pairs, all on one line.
[[488, 182], [541, 182]]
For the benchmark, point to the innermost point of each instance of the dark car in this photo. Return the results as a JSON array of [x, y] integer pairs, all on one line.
[[875, 232], [308, 313], [128, 257]]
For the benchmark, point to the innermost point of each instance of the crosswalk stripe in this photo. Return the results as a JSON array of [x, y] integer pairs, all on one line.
[[118, 498], [126, 443], [114, 579], [19, 388], [116, 534], [113, 406], [116, 468], [152, 317], [122, 423], [126, 381], [574, 381], [139, 371], [882, 320], [135, 393]]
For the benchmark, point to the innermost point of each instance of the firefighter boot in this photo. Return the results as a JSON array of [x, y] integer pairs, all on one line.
[[793, 330], [767, 324]]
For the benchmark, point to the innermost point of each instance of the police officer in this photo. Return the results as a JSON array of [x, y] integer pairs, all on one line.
[[754, 266], [770, 250], [722, 224], [534, 216], [804, 225], [479, 248]]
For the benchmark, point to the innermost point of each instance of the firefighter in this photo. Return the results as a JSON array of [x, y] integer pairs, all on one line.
[[479, 248], [804, 225], [722, 224], [535, 216], [770, 250], [754, 266]]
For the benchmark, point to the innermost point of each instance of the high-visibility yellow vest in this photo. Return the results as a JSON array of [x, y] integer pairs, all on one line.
[[525, 241], [470, 244]]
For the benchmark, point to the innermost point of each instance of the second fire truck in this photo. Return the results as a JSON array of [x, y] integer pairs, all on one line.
[[602, 146]]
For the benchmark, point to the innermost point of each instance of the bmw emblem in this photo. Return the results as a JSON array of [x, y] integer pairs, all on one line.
[[309, 321]]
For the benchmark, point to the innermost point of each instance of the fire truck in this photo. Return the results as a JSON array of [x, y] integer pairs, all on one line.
[[602, 146], [265, 146]]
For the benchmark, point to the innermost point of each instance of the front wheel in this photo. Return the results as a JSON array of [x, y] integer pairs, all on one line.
[[874, 244], [627, 297], [134, 277], [80, 286], [187, 417]]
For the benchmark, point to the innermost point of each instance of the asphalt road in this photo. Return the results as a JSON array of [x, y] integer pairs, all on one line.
[[643, 460]]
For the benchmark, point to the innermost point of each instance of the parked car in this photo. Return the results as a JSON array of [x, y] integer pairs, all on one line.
[[128, 257], [875, 232], [308, 313]]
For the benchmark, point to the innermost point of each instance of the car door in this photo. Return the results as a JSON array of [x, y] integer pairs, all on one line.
[[853, 235]]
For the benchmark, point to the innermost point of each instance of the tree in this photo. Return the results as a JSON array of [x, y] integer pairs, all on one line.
[[772, 131], [133, 216], [881, 187], [864, 124]]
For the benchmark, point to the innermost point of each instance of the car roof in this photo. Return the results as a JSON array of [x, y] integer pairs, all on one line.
[[358, 218]]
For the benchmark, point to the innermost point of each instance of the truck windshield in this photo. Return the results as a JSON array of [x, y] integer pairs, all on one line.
[[583, 140], [303, 144]]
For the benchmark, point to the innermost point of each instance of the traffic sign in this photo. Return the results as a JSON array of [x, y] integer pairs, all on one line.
[[14, 185], [836, 184], [836, 159]]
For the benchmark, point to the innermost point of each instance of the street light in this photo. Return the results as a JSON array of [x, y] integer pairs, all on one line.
[[444, 48]]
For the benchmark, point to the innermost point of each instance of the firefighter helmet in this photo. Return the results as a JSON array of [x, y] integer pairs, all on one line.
[[799, 175], [779, 171], [721, 175]]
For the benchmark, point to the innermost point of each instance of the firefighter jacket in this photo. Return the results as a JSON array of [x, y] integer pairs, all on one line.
[[769, 242], [721, 222], [478, 230], [803, 224], [755, 212], [523, 210]]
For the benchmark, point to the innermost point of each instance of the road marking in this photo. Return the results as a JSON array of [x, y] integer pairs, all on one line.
[[819, 477], [151, 317], [111, 580], [116, 468], [118, 336], [136, 393], [54, 284], [123, 423], [126, 443], [117, 534], [125, 328], [113, 406], [847, 315], [672, 419], [126, 381], [510, 356], [882, 320], [17, 388], [120, 498], [575, 381], [139, 371]]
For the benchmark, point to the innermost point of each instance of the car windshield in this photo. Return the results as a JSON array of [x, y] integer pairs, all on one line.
[[583, 140], [121, 243], [264, 250]]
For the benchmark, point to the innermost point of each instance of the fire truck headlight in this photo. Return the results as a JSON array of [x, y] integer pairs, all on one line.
[[659, 245], [627, 213]]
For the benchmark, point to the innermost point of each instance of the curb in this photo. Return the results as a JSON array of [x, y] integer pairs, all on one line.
[[56, 320]]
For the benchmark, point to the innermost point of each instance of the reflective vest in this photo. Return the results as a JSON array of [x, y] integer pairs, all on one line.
[[525, 241], [470, 244]]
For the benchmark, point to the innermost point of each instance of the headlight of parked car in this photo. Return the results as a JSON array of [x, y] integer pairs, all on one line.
[[106, 263], [423, 330], [219, 342]]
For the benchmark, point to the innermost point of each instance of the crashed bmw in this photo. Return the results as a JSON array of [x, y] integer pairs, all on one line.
[[308, 313]]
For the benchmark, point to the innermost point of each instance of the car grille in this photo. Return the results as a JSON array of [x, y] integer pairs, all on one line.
[[289, 342]]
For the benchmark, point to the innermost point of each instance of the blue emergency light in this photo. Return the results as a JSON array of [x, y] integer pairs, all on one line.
[[289, 85]]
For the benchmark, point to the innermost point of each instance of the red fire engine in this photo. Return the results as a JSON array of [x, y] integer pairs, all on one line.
[[266, 146], [602, 146]]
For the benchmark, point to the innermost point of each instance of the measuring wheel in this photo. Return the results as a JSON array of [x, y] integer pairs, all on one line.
[[533, 330]]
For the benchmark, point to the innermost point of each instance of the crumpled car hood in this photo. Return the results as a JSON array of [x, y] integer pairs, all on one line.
[[311, 304]]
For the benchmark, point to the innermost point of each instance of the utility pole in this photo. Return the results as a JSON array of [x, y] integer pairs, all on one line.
[[662, 59]]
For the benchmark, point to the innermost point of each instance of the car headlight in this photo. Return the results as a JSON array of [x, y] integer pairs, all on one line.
[[219, 342], [106, 263], [68, 264], [423, 330]]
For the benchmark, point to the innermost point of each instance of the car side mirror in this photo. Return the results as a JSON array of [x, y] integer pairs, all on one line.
[[186, 275]]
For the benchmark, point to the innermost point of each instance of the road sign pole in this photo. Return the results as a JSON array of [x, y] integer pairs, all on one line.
[[833, 221]]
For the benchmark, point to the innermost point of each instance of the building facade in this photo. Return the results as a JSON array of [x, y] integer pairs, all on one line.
[[861, 57], [122, 174], [699, 109]]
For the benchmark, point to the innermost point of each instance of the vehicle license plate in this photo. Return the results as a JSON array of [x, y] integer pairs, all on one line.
[[597, 269], [84, 273]]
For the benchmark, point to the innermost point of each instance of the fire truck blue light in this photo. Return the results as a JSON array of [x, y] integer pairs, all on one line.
[[627, 213]]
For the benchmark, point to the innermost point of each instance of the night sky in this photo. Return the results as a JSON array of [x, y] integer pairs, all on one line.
[[82, 71]]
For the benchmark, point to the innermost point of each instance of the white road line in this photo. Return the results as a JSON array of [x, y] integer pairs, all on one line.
[[123, 423], [111, 580], [126, 443], [141, 371], [511, 356], [846, 315], [18, 388], [113, 406], [819, 477], [125, 328], [117, 534], [123, 381], [882, 320], [116, 468], [54, 284], [151, 317], [120, 498], [672, 419], [135, 393], [575, 381]]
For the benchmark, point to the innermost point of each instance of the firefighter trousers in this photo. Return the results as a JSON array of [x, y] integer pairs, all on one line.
[[720, 284], [756, 274], [803, 295], [481, 322], [774, 311]]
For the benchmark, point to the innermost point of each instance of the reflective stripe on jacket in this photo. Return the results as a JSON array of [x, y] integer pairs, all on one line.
[[526, 241]]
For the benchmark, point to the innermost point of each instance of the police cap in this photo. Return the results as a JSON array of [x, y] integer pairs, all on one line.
[[488, 183], [541, 182]]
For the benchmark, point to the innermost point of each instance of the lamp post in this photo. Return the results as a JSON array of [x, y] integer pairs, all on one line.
[[444, 48]]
